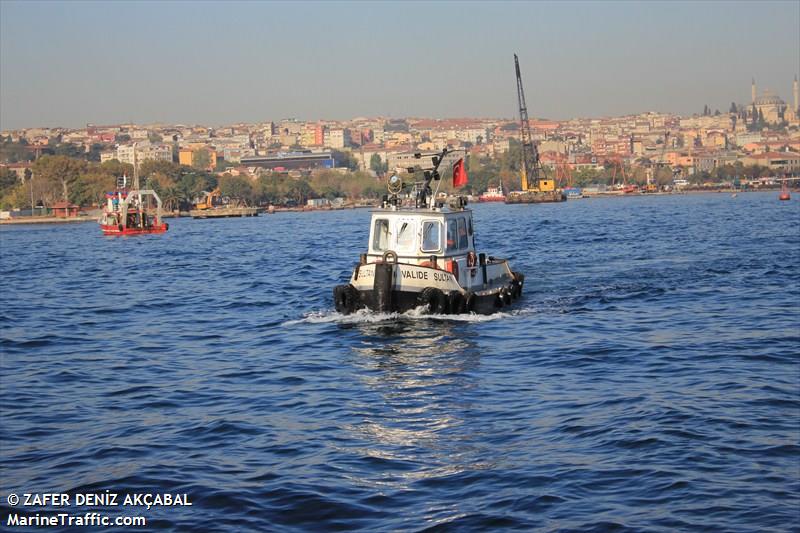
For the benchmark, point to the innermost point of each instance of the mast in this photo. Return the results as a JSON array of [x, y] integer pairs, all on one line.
[[530, 154]]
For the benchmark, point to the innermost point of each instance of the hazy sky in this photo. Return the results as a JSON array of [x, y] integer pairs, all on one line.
[[67, 63]]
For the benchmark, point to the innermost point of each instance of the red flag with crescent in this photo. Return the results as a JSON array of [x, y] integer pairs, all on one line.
[[459, 174]]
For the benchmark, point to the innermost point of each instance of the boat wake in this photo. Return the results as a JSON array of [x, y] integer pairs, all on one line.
[[366, 316]]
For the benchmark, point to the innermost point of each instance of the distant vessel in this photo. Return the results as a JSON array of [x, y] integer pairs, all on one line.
[[128, 212], [493, 194], [573, 192], [784, 195], [424, 256]]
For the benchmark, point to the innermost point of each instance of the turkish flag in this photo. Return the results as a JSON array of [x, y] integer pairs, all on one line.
[[459, 174]]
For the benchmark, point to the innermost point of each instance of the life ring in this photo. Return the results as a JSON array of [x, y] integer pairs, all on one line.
[[346, 299], [457, 303], [390, 253], [434, 299]]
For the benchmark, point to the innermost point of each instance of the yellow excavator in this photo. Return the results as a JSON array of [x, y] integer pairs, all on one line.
[[211, 200]]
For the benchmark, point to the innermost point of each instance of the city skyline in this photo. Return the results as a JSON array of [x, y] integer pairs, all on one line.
[[68, 64]]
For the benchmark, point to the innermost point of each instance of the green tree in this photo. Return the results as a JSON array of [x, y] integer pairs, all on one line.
[[344, 159], [237, 187], [154, 137], [377, 164], [8, 180], [166, 168], [59, 170], [201, 159], [299, 192]]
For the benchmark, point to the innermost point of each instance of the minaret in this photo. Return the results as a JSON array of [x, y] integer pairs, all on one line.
[[796, 94], [753, 91]]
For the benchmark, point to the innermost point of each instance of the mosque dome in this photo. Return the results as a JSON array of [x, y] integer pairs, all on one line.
[[769, 99]]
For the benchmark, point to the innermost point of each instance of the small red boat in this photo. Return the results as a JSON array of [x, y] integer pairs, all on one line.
[[784, 195], [129, 212], [493, 194]]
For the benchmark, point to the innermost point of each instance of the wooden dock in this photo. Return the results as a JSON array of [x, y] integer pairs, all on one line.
[[224, 212]]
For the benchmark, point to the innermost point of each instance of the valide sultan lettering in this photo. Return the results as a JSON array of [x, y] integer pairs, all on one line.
[[106, 499]]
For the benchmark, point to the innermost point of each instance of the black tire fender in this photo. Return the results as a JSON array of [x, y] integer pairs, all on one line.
[[434, 299], [346, 299], [469, 302], [457, 303]]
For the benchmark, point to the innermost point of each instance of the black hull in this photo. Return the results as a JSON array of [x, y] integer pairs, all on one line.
[[403, 301]]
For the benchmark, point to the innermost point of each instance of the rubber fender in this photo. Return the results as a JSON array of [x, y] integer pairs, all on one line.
[[346, 299], [457, 303], [469, 302], [505, 294], [434, 299], [498, 300], [516, 289], [382, 286]]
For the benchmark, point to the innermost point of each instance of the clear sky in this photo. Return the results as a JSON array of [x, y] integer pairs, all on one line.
[[67, 63]]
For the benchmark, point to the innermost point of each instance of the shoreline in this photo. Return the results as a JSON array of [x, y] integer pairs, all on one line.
[[305, 209]]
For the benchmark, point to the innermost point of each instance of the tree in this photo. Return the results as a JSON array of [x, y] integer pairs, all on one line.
[[377, 164], [8, 180], [345, 159], [154, 137], [236, 187], [299, 192], [59, 170], [733, 109], [201, 159], [171, 170]]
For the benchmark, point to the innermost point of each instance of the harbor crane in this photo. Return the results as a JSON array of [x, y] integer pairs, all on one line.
[[535, 187]]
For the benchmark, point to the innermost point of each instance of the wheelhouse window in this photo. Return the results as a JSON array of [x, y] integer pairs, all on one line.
[[452, 235], [463, 241], [380, 235], [430, 236], [406, 235]]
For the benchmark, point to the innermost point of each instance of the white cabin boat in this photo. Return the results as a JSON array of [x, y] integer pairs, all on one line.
[[425, 256]]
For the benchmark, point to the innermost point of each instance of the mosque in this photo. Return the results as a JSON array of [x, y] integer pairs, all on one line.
[[772, 107]]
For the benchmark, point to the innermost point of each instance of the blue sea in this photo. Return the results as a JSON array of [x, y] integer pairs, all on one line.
[[648, 380]]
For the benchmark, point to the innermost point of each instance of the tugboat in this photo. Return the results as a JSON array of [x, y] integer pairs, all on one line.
[[424, 256], [126, 211], [493, 194]]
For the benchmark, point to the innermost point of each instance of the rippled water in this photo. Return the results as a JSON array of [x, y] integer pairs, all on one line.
[[648, 379]]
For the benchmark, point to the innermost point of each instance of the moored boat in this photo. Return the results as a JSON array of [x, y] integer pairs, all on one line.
[[425, 256], [493, 194]]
